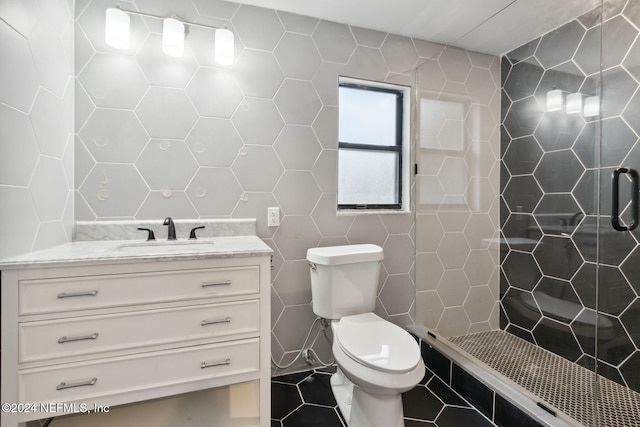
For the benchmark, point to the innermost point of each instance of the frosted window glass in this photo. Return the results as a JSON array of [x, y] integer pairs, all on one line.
[[367, 117], [367, 177]]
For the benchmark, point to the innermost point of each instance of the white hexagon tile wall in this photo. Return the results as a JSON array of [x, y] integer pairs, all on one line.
[[185, 137], [36, 125]]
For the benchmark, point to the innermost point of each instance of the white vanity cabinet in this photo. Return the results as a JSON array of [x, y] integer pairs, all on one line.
[[99, 334]]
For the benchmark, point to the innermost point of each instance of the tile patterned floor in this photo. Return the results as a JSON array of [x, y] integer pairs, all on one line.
[[305, 399]]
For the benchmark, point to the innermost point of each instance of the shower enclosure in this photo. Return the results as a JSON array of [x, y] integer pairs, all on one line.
[[527, 194]]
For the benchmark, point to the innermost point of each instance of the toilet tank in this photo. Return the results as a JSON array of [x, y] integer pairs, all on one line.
[[344, 279]]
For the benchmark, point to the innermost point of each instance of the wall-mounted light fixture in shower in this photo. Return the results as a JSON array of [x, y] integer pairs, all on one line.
[[573, 103], [554, 100], [591, 106], [117, 30]]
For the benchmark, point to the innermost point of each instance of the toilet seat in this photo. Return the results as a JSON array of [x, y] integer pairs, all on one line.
[[377, 344]]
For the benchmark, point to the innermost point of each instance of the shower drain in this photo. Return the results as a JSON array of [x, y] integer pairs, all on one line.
[[566, 386]]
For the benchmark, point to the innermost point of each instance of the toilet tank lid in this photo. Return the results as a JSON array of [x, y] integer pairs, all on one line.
[[347, 254]]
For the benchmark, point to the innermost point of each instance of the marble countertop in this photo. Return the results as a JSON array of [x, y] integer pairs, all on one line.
[[123, 251]]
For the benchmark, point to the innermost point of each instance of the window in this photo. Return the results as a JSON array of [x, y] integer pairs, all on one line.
[[372, 145]]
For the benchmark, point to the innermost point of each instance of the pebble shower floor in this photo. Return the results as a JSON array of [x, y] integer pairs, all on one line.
[[563, 384]]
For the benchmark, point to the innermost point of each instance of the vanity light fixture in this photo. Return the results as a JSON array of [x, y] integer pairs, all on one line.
[[554, 100], [117, 29], [574, 103]]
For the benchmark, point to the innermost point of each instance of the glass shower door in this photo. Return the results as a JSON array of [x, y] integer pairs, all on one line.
[[543, 231], [617, 341], [551, 206]]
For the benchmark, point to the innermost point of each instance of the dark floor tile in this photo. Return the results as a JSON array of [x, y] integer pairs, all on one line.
[[317, 408], [313, 416], [341, 416], [461, 417], [508, 415], [444, 392], [284, 399], [436, 362], [420, 403], [294, 378], [478, 394], [316, 389], [427, 377]]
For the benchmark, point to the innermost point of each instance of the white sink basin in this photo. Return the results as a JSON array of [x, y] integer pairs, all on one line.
[[165, 247]]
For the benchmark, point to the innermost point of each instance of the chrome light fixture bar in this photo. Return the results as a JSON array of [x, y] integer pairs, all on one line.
[[117, 25]]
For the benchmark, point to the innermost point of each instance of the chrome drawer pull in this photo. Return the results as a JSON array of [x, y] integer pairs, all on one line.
[[226, 282], [77, 294], [227, 361], [213, 322], [64, 385], [81, 338]]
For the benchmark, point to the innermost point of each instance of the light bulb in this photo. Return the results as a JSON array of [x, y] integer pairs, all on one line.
[[173, 37], [554, 100], [591, 106], [224, 47], [116, 28], [574, 103]]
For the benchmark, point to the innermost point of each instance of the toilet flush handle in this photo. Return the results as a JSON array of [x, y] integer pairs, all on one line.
[[312, 266]]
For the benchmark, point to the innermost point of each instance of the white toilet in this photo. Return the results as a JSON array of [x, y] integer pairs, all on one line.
[[377, 360]]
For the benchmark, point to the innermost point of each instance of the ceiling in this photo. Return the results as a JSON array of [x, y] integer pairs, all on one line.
[[488, 26]]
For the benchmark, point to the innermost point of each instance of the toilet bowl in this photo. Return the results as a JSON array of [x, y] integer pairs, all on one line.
[[377, 361]]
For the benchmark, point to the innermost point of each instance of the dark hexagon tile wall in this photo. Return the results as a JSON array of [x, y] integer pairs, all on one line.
[[550, 162]]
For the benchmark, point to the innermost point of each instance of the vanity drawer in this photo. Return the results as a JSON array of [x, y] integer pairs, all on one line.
[[89, 381], [51, 339], [90, 292]]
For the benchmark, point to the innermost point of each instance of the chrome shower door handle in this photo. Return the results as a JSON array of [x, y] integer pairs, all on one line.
[[615, 199]]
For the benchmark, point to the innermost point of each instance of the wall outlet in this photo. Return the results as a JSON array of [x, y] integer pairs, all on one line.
[[273, 217]]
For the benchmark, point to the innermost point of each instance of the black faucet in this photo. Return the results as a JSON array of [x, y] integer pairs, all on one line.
[[575, 218], [171, 234]]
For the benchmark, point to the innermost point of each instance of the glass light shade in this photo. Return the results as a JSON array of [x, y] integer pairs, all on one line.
[[224, 47], [591, 106], [116, 28], [173, 37], [554, 100], [574, 103]]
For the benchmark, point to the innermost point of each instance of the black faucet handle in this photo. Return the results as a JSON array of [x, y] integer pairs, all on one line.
[[150, 236], [192, 234]]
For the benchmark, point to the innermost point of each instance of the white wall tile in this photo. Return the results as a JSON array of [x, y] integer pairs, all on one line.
[[36, 115]]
